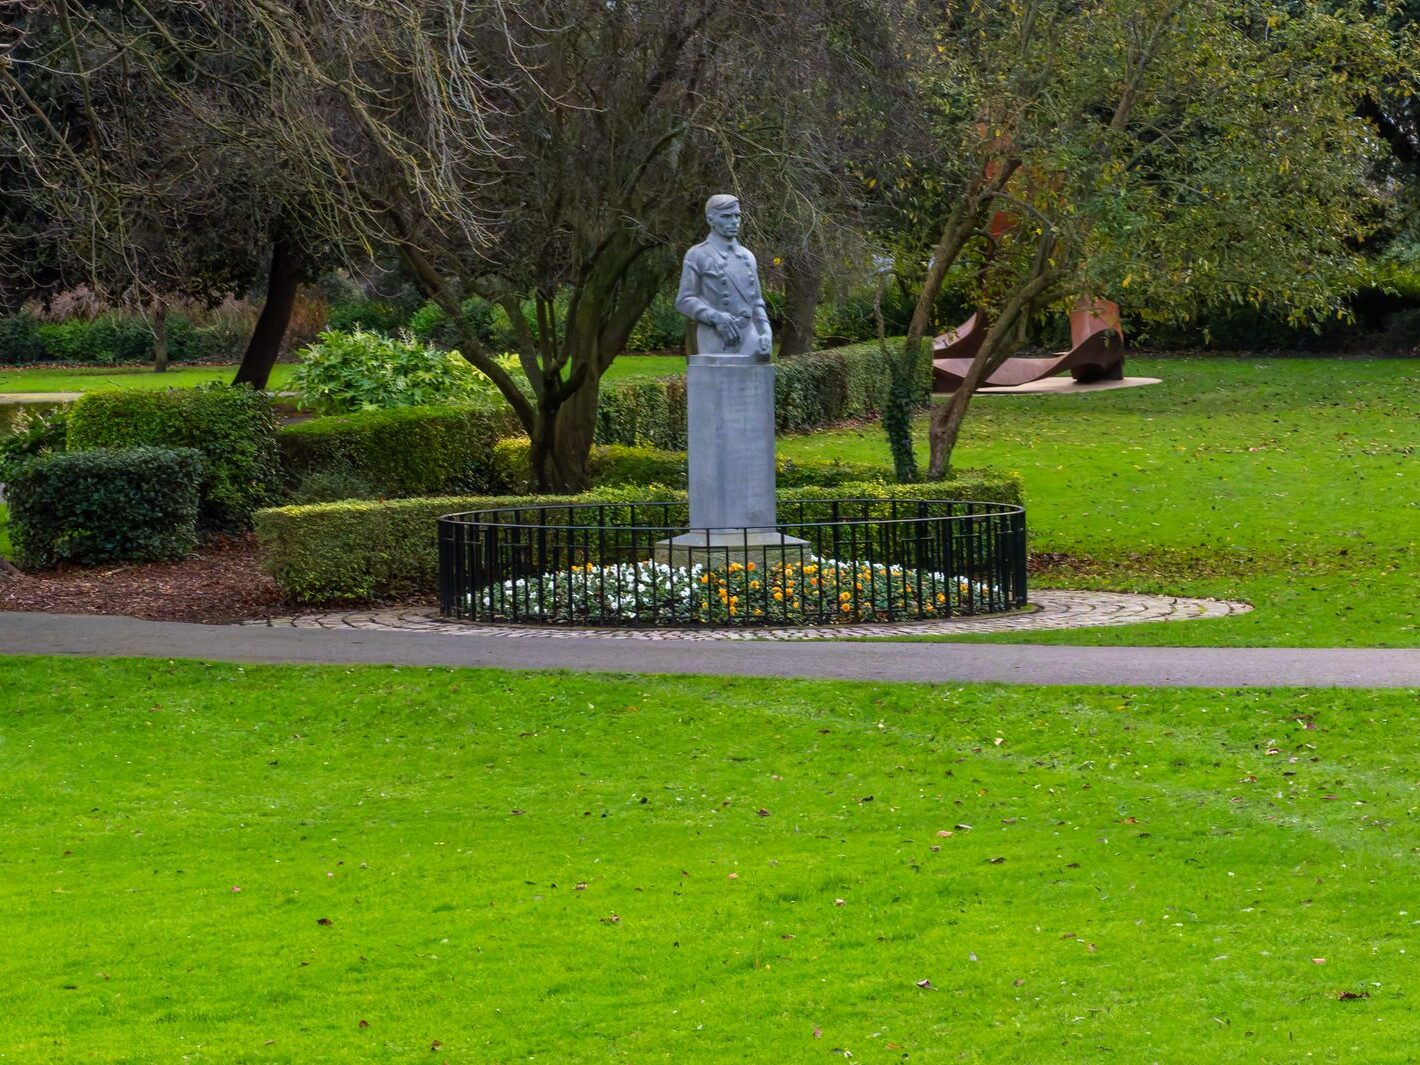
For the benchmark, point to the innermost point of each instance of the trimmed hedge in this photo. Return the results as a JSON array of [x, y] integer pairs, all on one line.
[[233, 428], [403, 451], [84, 507], [621, 464], [810, 392], [387, 549]]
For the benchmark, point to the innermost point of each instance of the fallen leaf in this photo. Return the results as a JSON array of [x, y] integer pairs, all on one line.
[[611, 918], [762, 812], [818, 1033], [926, 985], [962, 828], [364, 1023], [1018, 983], [1318, 961], [435, 1045], [324, 921], [944, 833], [517, 813], [733, 876], [838, 902], [1351, 996], [580, 885], [999, 740], [996, 861]]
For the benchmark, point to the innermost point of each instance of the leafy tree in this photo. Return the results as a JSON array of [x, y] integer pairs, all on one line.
[[1167, 154]]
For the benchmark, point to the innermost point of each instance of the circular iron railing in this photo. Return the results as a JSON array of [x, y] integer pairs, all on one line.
[[833, 561]]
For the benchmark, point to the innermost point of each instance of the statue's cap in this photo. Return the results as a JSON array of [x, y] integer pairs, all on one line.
[[722, 202]]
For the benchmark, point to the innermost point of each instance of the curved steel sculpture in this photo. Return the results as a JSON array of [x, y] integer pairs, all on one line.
[[1096, 351]]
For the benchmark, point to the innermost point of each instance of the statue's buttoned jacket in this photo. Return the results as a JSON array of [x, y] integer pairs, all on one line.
[[722, 278]]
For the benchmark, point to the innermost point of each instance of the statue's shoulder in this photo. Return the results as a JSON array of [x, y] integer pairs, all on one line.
[[698, 253]]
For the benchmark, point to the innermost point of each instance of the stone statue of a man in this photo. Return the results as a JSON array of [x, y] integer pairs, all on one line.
[[719, 289]]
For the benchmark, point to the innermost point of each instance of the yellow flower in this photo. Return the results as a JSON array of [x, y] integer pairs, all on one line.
[[846, 608], [753, 585], [844, 596], [750, 567], [735, 567], [704, 579], [778, 596], [941, 598], [733, 600]]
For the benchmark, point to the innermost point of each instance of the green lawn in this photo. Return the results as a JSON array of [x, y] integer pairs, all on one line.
[[275, 864], [40, 379], [1293, 484]]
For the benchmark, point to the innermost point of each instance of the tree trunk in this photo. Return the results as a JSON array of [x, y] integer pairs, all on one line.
[[562, 441], [803, 278], [947, 417], [160, 335], [265, 345]]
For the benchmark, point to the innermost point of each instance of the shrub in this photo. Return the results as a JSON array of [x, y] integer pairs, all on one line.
[[345, 372], [649, 413], [362, 314], [31, 434], [20, 339], [431, 324], [233, 428], [626, 465], [810, 391], [406, 451], [85, 507], [107, 340], [387, 549], [660, 328]]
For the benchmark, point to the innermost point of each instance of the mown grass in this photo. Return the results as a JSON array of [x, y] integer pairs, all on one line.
[[208, 863], [86, 379], [1293, 484]]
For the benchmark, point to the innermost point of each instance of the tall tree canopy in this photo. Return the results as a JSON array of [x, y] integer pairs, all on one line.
[[1167, 154]]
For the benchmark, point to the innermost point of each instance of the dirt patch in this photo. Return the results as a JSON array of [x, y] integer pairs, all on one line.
[[222, 582]]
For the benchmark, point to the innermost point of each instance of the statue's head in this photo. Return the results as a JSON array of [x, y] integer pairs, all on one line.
[[723, 214]]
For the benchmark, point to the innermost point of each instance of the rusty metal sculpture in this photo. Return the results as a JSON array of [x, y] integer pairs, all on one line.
[[1096, 351]]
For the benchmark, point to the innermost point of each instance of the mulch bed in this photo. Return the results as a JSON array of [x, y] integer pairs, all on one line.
[[222, 582]]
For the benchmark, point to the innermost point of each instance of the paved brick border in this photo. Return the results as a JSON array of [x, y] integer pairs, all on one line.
[[1050, 609]]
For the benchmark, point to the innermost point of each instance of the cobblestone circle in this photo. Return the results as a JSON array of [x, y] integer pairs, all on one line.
[[1049, 609]]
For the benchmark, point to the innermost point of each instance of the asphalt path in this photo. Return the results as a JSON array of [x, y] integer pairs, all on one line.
[[1221, 667]]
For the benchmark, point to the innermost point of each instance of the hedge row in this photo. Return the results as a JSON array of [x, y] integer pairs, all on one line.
[[114, 338], [87, 507], [621, 464], [810, 392], [387, 549], [233, 428], [404, 451]]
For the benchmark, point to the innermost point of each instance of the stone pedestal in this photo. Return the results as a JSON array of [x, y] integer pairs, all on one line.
[[731, 457]]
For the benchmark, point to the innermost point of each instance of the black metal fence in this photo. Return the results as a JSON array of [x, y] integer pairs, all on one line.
[[827, 562]]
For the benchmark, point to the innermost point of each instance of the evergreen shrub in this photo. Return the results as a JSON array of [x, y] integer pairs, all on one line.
[[85, 507], [20, 339], [403, 451], [233, 428], [382, 549]]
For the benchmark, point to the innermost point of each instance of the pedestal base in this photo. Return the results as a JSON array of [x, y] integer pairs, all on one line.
[[717, 548], [730, 401]]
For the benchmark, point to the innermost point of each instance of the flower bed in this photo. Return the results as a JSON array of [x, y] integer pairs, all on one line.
[[807, 591]]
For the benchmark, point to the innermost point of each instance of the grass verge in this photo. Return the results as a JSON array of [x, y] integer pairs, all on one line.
[[89, 379], [210, 863], [1292, 484]]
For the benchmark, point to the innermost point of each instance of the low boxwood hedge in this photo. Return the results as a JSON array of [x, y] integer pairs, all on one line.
[[810, 392], [386, 549], [105, 505], [622, 464], [233, 428], [404, 451]]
